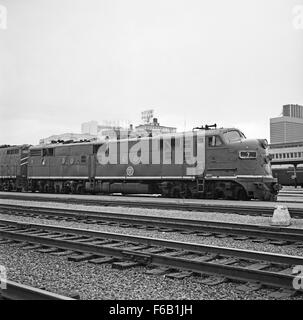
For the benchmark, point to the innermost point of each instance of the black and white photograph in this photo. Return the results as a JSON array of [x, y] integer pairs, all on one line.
[[151, 153]]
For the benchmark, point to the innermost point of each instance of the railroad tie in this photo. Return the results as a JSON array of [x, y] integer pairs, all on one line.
[[6, 241], [282, 294], [159, 271], [47, 250], [166, 230], [206, 258], [258, 266], [131, 248], [123, 265], [82, 257], [213, 280], [221, 235], [154, 250], [259, 240], [32, 247], [102, 260], [62, 253], [249, 287], [179, 275], [279, 243], [188, 232], [289, 271], [241, 238], [227, 261], [204, 234]]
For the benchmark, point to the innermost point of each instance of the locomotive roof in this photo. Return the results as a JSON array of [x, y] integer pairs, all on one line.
[[177, 134], [21, 146]]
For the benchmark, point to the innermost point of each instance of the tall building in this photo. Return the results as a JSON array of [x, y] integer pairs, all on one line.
[[90, 127], [293, 111], [100, 130], [289, 127]]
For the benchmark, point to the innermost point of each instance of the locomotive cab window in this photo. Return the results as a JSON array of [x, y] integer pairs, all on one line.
[[214, 141], [233, 136], [248, 154], [83, 159]]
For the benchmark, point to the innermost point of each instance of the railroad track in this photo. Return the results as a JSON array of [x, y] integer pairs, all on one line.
[[18, 291], [179, 258], [167, 204], [164, 224]]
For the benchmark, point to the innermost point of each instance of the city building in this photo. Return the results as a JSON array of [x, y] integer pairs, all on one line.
[[112, 129], [67, 137], [154, 128], [286, 136], [287, 153], [293, 111], [90, 127], [289, 127], [106, 129]]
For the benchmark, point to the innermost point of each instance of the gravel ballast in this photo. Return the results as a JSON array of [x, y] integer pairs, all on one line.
[[58, 275]]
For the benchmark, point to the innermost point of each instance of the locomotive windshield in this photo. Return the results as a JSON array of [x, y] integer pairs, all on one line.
[[233, 136]]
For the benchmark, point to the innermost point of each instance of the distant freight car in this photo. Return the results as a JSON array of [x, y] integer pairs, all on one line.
[[287, 175]]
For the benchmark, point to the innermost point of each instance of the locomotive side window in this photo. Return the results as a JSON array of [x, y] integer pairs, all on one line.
[[12, 151], [49, 152], [35, 153], [96, 148], [83, 159], [248, 154]]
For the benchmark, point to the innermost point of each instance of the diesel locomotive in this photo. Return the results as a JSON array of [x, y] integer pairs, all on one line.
[[209, 163]]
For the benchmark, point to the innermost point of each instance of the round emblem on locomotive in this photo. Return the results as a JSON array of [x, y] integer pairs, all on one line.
[[130, 171]]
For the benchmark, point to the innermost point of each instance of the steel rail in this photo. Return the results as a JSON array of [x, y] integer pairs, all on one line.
[[233, 272], [18, 291], [191, 247], [177, 204], [176, 224]]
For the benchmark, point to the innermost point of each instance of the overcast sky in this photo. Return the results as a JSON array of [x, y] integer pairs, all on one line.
[[63, 62]]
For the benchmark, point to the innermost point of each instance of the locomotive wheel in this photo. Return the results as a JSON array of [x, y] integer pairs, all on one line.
[[219, 194], [175, 192], [241, 195], [80, 189]]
